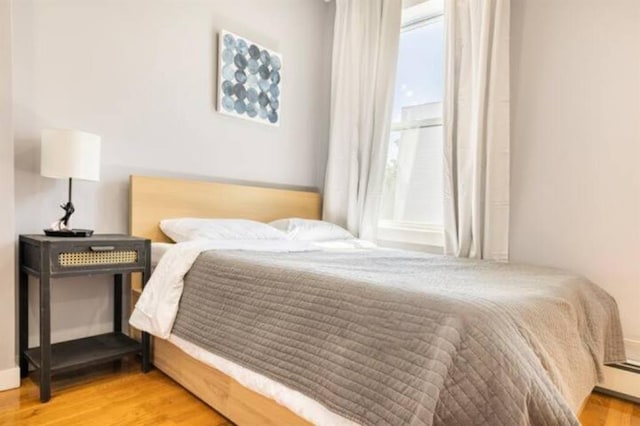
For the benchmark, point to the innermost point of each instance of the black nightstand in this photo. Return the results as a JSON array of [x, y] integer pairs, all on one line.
[[54, 257]]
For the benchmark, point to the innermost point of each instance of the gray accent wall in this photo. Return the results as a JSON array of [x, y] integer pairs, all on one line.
[[142, 74]]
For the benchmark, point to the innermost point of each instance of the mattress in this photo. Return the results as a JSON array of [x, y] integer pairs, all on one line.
[[390, 337]]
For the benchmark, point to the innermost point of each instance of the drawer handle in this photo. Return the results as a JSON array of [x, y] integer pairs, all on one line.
[[102, 248]]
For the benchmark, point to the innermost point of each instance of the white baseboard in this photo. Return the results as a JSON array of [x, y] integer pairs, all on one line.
[[10, 378]]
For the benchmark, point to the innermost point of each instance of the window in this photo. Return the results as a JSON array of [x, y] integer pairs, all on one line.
[[412, 209]]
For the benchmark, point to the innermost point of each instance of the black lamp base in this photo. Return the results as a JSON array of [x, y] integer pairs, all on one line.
[[69, 233], [64, 222]]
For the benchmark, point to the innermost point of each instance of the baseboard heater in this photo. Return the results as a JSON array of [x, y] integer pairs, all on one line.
[[622, 381], [626, 366]]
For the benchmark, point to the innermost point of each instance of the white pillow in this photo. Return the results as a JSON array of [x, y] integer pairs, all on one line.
[[189, 229], [311, 230]]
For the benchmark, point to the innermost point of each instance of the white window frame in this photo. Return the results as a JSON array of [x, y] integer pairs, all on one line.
[[406, 234]]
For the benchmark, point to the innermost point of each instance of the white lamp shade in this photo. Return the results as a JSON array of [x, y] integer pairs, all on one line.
[[70, 154]]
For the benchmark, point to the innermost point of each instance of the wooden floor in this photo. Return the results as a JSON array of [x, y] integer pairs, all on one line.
[[125, 396], [107, 396], [605, 410]]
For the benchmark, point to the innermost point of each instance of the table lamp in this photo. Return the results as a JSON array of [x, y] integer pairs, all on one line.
[[69, 154]]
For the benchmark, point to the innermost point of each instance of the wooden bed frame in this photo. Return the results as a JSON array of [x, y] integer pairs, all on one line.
[[153, 199]]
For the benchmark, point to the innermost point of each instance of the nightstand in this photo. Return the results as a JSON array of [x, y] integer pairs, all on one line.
[[55, 257]]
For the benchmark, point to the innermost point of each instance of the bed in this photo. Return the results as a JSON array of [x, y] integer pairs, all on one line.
[[527, 385]]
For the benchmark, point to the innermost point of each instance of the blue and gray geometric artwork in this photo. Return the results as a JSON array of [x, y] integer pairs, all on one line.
[[249, 80]]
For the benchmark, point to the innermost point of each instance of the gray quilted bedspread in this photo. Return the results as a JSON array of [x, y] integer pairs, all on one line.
[[393, 338]]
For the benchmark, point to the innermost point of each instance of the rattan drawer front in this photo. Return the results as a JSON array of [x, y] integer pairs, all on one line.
[[89, 258]]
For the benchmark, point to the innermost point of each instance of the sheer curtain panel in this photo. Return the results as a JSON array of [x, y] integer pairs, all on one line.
[[365, 50], [476, 121]]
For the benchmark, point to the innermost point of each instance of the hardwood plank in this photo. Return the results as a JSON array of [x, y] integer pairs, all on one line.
[[595, 410], [602, 410], [635, 415]]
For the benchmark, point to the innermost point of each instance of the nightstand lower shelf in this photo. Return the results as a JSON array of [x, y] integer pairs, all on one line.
[[80, 353]]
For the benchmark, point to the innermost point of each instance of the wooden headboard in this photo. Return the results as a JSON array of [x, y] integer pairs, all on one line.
[[155, 198]]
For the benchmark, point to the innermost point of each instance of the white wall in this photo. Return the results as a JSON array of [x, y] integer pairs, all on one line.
[[142, 75], [9, 375], [575, 186]]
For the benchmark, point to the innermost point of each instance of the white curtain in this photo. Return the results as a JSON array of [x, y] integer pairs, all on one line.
[[365, 50], [476, 118]]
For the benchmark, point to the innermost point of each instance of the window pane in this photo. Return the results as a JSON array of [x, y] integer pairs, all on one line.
[[420, 72], [413, 181], [413, 187]]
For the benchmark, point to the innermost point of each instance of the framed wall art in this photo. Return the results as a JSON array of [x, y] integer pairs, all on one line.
[[249, 80]]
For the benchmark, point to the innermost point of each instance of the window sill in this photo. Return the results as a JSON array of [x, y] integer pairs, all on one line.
[[411, 236]]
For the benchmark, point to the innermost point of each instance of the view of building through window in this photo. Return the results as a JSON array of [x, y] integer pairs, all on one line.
[[413, 181]]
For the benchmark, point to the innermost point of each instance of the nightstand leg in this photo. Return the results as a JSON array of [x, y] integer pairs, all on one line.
[[45, 337], [145, 338], [146, 352], [117, 303], [24, 322]]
